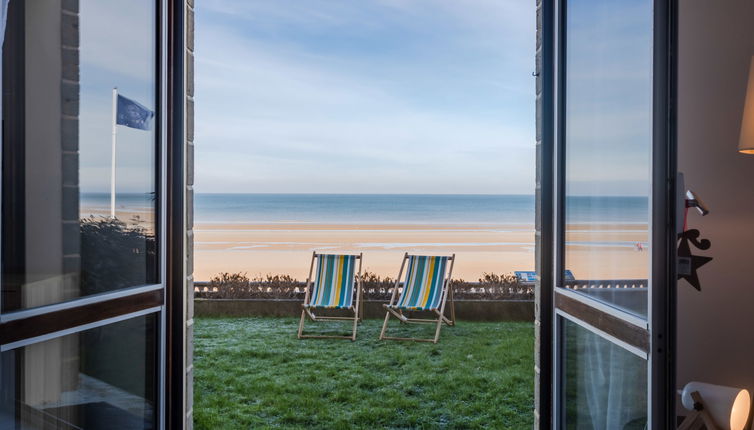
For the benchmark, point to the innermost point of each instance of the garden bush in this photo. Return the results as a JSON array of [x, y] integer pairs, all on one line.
[[490, 286]]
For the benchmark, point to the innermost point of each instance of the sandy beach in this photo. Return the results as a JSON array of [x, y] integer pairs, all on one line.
[[285, 248], [594, 250], [275, 234]]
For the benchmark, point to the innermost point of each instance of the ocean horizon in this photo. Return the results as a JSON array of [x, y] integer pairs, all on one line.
[[237, 208], [263, 234]]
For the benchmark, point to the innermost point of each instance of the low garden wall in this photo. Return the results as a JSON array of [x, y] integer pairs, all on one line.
[[470, 310]]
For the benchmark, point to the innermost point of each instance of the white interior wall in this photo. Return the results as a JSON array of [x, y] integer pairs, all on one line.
[[716, 325]]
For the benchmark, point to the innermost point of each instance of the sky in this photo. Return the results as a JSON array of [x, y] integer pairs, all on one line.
[[121, 56], [372, 96], [608, 112]]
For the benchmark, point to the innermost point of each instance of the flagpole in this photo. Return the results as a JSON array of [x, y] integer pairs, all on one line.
[[112, 160]]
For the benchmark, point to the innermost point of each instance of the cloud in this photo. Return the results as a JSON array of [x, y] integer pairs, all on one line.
[[126, 48], [280, 112], [121, 55]]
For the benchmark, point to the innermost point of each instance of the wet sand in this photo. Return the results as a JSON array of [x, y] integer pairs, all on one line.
[[285, 248]]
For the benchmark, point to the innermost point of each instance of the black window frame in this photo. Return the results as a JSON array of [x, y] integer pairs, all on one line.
[[166, 298], [660, 342]]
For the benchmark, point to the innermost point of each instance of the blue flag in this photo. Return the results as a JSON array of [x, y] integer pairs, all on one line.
[[133, 114]]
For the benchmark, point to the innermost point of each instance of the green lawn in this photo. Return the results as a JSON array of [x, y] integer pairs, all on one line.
[[253, 373]]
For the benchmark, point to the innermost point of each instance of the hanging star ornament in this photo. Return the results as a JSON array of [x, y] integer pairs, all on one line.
[[688, 264]]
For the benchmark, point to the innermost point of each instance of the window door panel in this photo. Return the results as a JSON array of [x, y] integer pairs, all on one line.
[[605, 383], [99, 378], [82, 298], [608, 148], [60, 239], [614, 248]]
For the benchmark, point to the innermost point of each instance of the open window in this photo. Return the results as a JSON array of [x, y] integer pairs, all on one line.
[[613, 240]]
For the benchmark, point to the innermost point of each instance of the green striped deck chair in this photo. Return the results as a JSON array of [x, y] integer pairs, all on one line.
[[426, 288], [336, 286]]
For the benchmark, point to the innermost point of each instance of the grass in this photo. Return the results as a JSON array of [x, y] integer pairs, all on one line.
[[253, 373]]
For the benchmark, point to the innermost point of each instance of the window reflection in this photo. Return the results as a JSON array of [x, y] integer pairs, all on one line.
[[608, 149], [62, 239], [103, 378], [605, 386]]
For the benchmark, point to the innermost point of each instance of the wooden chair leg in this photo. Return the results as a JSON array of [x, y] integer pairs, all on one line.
[[449, 286], [306, 296], [452, 308], [301, 324], [437, 331], [361, 306], [384, 325], [355, 326], [356, 316]]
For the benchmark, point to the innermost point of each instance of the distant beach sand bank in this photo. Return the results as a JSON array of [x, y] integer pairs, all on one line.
[[285, 248], [275, 234]]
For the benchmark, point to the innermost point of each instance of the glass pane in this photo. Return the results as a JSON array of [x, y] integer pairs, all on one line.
[[60, 239], [608, 143], [100, 378], [604, 386]]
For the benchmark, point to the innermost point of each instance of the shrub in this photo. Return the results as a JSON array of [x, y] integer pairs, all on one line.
[[230, 285], [377, 287], [115, 255], [492, 286], [238, 286]]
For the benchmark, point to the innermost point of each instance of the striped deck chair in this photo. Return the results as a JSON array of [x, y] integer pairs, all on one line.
[[426, 288], [333, 287]]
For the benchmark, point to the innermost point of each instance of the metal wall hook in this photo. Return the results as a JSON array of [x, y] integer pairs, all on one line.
[[693, 201]]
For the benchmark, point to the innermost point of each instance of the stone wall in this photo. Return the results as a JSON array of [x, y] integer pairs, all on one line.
[[543, 231], [69, 140]]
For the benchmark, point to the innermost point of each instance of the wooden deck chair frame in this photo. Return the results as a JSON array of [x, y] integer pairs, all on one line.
[[447, 295], [307, 311]]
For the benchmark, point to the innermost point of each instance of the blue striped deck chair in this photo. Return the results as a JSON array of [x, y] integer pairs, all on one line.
[[426, 288], [336, 285]]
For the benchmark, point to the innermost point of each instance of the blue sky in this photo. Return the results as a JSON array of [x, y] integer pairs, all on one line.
[[120, 56], [378, 96], [609, 98]]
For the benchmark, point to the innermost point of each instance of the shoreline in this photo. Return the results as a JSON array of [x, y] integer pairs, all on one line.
[[259, 249], [594, 250]]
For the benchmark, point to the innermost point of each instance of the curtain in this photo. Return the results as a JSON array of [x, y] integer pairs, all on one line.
[[615, 385]]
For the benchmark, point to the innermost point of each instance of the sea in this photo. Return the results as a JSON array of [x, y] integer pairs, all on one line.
[[386, 208]]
